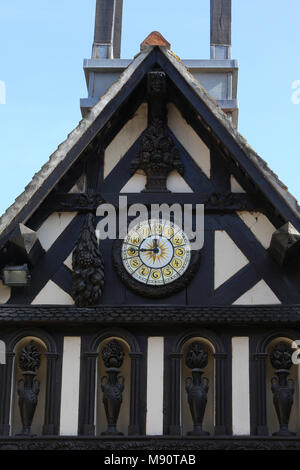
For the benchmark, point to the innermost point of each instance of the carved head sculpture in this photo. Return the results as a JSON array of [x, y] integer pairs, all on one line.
[[156, 82], [196, 356], [30, 358], [113, 354], [281, 356]]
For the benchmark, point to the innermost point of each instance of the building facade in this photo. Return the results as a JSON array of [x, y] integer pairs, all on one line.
[[147, 341]]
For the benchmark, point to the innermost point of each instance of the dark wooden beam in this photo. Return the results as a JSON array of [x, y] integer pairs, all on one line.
[[220, 22], [214, 202]]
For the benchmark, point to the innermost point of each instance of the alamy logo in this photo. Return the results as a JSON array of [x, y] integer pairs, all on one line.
[[2, 92], [187, 217], [296, 94]]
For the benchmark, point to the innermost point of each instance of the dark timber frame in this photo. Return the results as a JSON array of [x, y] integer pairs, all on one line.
[[197, 311], [193, 103]]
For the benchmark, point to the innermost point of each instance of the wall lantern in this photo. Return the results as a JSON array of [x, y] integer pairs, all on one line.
[[16, 276]]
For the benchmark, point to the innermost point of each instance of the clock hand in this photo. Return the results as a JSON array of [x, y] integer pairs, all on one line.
[[155, 250]]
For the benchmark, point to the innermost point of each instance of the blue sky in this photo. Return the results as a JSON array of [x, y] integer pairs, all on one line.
[[43, 44]]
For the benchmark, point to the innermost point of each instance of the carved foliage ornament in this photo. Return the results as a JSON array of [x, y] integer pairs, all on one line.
[[281, 356], [227, 201], [113, 354], [30, 358], [157, 157], [88, 267], [196, 357]]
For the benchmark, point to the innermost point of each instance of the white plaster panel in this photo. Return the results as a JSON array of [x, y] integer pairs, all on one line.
[[52, 294], [53, 227], [68, 261], [260, 294], [5, 293], [125, 139], [189, 139], [155, 385], [235, 186], [228, 258], [259, 225], [136, 183], [80, 185], [177, 184], [2, 353], [240, 386], [70, 386]]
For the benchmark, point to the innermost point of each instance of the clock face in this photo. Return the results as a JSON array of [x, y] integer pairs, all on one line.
[[156, 252], [155, 259]]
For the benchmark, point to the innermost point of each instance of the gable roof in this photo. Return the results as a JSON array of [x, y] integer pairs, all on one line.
[[67, 152]]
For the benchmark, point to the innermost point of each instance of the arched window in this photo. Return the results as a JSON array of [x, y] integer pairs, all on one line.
[[31, 383], [198, 353], [212, 359], [112, 390], [29, 387], [113, 386], [286, 373], [275, 393]]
